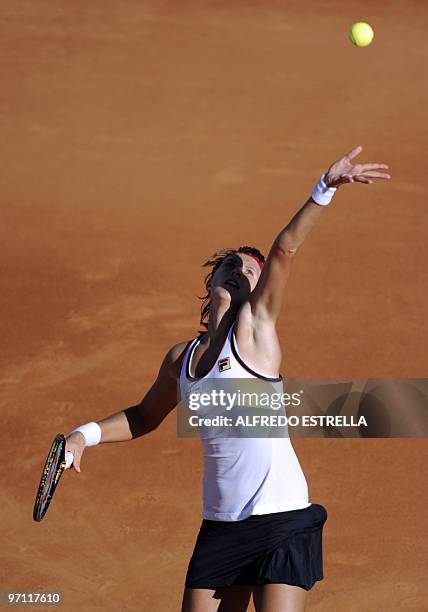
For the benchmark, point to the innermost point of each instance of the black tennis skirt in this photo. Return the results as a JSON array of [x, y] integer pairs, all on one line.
[[283, 547]]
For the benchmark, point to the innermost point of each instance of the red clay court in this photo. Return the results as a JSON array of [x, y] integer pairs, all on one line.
[[137, 139]]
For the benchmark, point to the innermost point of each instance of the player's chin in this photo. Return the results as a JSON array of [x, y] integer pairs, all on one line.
[[222, 293]]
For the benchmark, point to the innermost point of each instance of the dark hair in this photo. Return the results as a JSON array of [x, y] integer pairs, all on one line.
[[215, 262]]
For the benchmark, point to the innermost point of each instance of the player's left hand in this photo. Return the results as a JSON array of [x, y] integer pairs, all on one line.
[[344, 171]]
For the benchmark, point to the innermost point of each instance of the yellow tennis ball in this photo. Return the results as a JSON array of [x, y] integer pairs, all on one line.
[[361, 34]]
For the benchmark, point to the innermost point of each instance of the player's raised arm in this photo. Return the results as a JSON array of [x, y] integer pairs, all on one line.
[[137, 420], [266, 299]]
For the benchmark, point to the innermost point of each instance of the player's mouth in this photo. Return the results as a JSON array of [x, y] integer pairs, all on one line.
[[232, 283]]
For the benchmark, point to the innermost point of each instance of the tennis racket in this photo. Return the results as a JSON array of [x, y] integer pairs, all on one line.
[[57, 461]]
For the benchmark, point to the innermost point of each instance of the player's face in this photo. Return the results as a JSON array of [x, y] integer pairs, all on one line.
[[237, 275]]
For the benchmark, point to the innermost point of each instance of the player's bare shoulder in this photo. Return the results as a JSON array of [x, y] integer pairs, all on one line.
[[173, 360]]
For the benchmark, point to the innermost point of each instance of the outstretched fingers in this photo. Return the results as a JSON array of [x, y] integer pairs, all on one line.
[[381, 175], [354, 152], [365, 167], [367, 177], [371, 175], [362, 179]]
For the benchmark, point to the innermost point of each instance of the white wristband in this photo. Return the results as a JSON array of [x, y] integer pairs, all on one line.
[[322, 194], [91, 432]]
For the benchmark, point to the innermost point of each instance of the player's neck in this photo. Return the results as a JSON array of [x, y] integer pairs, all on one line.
[[221, 317]]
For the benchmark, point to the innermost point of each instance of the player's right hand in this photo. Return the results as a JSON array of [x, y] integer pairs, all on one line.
[[75, 444], [343, 171]]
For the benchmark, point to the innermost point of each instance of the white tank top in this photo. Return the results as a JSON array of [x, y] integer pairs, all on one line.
[[244, 476]]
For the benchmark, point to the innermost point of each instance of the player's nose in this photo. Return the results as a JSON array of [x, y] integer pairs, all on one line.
[[237, 274]]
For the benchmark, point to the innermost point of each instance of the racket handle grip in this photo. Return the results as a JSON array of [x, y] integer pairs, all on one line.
[[68, 459]]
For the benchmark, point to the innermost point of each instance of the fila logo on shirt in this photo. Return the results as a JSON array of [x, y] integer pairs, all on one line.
[[224, 364]]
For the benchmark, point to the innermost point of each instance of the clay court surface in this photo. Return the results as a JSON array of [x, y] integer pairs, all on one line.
[[137, 138]]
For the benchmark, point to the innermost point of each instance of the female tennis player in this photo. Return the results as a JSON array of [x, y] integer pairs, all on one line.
[[260, 535]]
